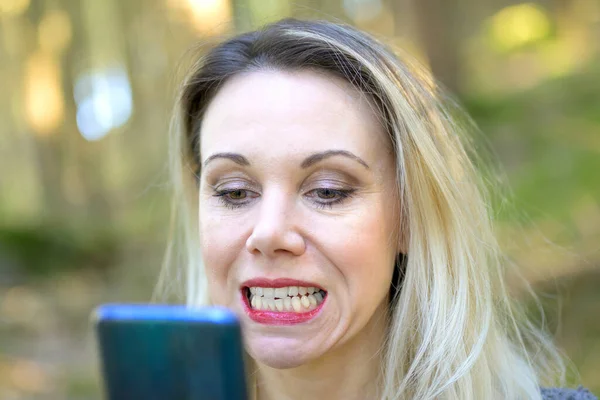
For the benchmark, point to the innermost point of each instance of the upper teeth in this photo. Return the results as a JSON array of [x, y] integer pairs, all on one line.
[[283, 291], [290, 298]]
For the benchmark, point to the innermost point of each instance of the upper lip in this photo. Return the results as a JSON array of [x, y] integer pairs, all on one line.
[[278, 283]]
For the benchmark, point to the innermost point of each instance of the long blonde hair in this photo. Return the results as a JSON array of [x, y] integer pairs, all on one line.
[[454, 332]]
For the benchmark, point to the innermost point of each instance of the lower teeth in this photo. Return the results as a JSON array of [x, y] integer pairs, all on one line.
[[295, 303]]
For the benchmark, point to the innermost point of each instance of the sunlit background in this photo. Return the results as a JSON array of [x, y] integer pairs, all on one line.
[[87, 88]]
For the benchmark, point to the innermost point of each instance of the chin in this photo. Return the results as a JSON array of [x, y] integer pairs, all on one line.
[[280, 353]]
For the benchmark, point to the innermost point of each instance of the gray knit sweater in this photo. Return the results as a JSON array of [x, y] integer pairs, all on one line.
[[580, 393]]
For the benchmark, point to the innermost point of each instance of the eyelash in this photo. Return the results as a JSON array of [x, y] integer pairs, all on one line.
[[343, 194]]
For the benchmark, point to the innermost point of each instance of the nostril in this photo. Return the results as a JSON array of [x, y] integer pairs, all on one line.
[[270, 240]]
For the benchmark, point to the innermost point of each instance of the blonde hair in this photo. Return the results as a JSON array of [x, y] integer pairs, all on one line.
[[454, 332]]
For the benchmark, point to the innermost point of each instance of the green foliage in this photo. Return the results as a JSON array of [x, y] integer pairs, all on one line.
[[45, 250], [548, 139]]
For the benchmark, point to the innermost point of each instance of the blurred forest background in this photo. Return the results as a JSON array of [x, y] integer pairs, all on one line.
[[87, 88]]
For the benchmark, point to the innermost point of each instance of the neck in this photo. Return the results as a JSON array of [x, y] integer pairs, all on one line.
[[350, 371]]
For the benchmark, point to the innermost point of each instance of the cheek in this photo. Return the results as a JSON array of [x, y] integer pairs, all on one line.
[[365, 256], [220, 245]]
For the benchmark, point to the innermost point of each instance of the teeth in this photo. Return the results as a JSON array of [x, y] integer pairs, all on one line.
[[279, 304], [270, 304], [305, 302], [292, 298], [318, 297], [282, 292], [296, 304]]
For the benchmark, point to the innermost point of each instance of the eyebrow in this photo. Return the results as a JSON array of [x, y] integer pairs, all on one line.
[[308, 161], [235, 157], [316, 157]]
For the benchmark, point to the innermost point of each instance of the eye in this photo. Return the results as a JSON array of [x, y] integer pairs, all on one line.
[[237, 194], [327, 193], [328, 197], [235, 198]]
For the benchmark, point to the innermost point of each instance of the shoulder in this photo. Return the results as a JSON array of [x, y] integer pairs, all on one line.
[[580, 393]]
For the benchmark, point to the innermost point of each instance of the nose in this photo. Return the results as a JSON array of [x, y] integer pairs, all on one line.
[[274, 230]]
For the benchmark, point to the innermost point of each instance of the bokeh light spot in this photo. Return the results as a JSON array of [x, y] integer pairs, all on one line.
[[210, 16], [44, 102], [13, 7], [104, 102], [519, 25]]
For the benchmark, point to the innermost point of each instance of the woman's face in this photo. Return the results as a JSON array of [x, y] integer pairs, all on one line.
[[297, 212]]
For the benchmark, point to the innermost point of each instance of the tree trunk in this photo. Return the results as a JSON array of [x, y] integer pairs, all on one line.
[[439, 24]]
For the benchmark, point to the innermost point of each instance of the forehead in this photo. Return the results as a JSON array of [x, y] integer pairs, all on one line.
[[306, 111]]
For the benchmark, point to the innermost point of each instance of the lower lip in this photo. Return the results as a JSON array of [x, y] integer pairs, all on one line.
[[278, 318]]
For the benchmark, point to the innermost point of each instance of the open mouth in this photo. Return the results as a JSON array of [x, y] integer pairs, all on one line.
[[294, 299]]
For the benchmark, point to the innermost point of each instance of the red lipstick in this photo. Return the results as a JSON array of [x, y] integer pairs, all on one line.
[[277, 317], [277, 283]]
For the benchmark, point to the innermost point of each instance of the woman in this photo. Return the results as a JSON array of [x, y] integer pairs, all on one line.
[[341, 218]]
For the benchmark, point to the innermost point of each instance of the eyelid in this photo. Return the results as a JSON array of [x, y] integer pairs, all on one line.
[[233, 183], [225, 173], [329, 183], [334, 175]]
